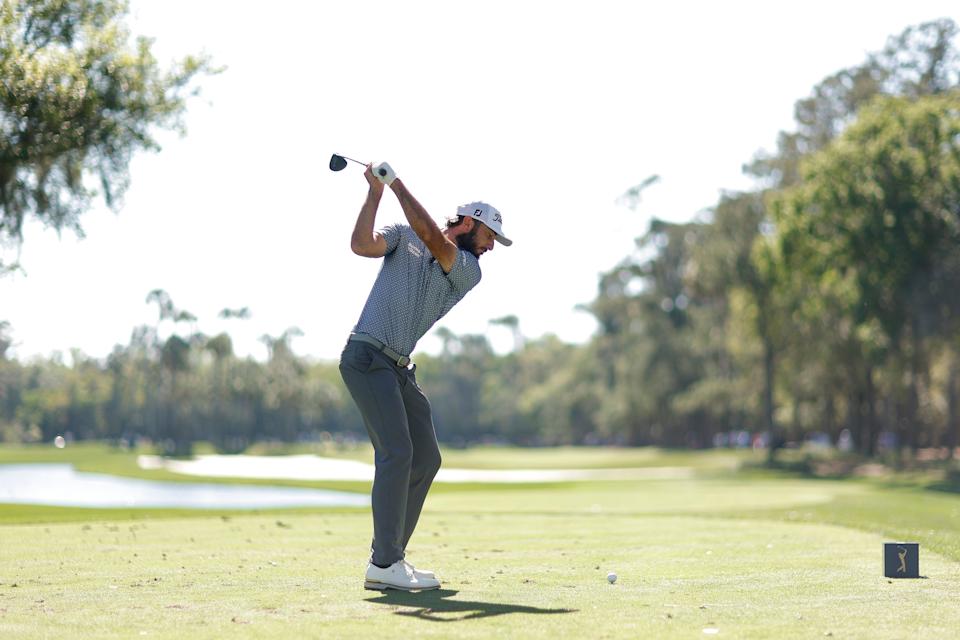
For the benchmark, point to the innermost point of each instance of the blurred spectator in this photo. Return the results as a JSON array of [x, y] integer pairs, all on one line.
[[845, 441]]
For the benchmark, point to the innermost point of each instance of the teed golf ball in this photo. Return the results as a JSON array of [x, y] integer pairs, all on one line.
[[59, 442], [611, 577]]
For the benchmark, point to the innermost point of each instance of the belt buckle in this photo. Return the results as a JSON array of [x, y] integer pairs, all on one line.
[[400, 362]]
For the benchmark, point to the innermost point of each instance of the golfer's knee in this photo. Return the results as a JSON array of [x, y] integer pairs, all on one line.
[[399, 455], [427, 464]]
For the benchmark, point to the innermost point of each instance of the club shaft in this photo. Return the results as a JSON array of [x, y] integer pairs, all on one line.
[[352, 160]]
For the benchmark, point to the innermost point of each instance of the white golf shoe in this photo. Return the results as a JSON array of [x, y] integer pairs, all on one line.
[[399, 575], [420, 573]]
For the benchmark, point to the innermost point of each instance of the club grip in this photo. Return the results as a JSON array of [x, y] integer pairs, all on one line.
[[384, 173]]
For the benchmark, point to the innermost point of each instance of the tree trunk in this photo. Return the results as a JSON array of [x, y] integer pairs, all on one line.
[[796, 428], [870, 433], [912, 425], [856, 402], [953, 419], [768, 380], [830, 417]]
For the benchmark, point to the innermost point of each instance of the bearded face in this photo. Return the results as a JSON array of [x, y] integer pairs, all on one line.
[[478, 240]]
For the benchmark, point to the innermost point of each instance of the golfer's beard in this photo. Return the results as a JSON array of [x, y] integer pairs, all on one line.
[[468, 242]]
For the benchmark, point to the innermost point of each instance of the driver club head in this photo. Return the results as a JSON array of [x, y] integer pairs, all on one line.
[[338, 162]]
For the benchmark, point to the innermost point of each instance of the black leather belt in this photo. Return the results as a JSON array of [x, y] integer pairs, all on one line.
[[401, 361]]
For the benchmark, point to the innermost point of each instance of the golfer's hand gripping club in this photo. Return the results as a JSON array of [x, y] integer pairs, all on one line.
[[384, 173]]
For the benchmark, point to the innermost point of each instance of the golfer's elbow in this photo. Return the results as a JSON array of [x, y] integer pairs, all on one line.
[[367, 247], [360, 249]]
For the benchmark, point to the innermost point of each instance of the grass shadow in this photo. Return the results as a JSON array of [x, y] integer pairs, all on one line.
[[938, 475], [950, 483], [944, 487], [438, 606]]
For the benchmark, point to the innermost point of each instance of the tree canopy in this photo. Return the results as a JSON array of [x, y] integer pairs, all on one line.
[[79, 98], [822, 304]]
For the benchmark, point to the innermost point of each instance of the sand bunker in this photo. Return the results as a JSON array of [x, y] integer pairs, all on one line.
[[311, 467]]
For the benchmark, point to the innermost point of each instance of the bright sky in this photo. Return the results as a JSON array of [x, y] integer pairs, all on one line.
[[547, 110]]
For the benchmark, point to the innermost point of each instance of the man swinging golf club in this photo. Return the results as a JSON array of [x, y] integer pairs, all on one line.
[[425, 271]]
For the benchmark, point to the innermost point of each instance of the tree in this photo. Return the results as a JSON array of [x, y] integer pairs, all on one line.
[[78, 101], [735, 292], [455, 384], [512, 323], [6, 341], [875, 222], [175, 356], [242, 313], [645, 309], [921, 61]]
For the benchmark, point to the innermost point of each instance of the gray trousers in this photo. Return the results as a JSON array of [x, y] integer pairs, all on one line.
[[398, 420]]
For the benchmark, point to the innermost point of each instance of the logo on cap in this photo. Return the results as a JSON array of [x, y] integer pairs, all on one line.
[[485, 213]]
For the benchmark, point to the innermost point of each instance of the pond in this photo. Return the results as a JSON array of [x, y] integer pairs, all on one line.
[[63, 486]]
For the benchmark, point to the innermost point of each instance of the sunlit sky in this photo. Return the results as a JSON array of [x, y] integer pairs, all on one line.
[[547, 110]]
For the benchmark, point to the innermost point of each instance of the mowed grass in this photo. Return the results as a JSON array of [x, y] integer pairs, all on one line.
[[732, 555]]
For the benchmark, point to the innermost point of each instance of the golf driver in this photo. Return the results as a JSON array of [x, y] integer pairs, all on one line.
[[338, 162]]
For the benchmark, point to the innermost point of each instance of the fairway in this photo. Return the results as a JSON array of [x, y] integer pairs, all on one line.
[[544, 574], [727, 555]]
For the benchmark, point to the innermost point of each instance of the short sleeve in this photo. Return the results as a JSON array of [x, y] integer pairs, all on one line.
[[391, 235], [465, 272]]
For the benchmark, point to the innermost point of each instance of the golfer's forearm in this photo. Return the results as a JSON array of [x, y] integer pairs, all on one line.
[[363, 242], [420, 221]]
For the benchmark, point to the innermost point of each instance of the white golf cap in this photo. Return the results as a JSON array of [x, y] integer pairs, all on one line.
[[487, 215]]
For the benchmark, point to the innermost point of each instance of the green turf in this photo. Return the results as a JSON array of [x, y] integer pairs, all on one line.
[[749, 555]]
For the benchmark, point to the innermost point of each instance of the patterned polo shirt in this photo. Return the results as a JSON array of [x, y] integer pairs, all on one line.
[[411, 291]]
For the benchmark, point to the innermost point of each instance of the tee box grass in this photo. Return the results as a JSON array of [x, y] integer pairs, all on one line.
[[740, 555]]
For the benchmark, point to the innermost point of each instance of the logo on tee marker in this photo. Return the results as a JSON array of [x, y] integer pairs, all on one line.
[[414, 249]]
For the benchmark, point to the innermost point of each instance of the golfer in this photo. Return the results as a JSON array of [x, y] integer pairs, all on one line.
[[425, 271]]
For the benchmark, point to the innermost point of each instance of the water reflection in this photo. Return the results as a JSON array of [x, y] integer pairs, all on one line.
[[61, 485]]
